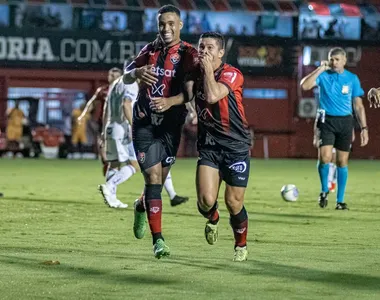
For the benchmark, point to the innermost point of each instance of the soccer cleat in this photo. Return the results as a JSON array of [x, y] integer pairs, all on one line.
[[341, 206], [240, 254], [139, 223], [121, 204], [322, 200], [160, 249], [177, 200], [211, 233], [108, 198], [332, 187]]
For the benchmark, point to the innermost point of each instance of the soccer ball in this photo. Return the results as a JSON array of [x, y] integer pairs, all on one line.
[[289, 192]]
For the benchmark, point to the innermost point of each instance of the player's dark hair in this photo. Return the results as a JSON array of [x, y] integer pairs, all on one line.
[[214, 35], [116, 70], [337, 51], [157, 43], [169, 9]]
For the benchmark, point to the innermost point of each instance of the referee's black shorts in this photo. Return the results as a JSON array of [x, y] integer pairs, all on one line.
[[336, 131]]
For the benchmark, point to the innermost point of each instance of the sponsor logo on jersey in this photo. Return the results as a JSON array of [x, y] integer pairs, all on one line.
[[164, 72]]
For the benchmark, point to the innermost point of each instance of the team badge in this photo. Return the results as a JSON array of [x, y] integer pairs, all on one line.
[[141, 157], [345, 89], [175, 58]]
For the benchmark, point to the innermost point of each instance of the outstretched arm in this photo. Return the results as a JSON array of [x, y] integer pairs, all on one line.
[[89, 105]]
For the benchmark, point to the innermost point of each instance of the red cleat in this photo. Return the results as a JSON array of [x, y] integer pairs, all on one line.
[[332, 187]]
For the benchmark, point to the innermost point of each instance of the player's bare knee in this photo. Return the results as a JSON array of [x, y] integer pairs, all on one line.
[[342, 158], [206, 201], [234, 203], [234, 199], [325, 158], [153, 175], [342, 163]]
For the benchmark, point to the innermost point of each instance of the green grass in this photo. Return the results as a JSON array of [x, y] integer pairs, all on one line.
[[52, 211]]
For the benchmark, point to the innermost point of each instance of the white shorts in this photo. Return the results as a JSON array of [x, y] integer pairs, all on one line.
[[119, 146]]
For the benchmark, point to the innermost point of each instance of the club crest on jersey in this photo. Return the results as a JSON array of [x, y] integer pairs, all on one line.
[[141, 157], [175, 58]]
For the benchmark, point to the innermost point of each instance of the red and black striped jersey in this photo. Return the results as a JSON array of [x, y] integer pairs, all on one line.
[[171, 65], [223, 125]]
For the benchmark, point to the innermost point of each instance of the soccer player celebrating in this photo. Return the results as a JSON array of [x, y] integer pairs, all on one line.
[[374, 97], [116, 136], [97, 102], [160, 67], [340, 92], [223, 141]]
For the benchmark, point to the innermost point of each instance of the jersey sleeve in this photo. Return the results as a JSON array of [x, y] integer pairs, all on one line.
[[141, 59], [232, 78], [318, 79], [357, 90], [191, 62]]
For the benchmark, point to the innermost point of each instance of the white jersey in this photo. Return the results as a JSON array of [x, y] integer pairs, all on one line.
[[117, 131], [117, 94]]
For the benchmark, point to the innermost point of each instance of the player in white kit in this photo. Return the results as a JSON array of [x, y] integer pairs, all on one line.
[[117, 138]]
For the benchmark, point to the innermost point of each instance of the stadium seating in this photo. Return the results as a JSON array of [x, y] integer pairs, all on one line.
[[280, 6]]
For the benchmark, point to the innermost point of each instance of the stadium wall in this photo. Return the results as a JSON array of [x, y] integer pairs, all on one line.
[[275, 121]]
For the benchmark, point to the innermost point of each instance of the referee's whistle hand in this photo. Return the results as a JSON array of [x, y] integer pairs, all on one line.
[[325, 64]]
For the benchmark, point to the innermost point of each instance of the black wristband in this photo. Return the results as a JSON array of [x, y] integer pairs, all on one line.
[[364, 128]]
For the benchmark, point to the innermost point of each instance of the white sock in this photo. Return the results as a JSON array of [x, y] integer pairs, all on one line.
[[122, 175], [110, 173], [168, 185], [332, 170]]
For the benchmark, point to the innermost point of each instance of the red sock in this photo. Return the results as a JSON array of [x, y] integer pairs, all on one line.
[[214, 217], [153, 206], [154, 212], [239, 224], [240, 233]]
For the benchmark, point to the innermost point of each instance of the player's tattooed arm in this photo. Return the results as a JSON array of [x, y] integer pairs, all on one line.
[[373, 97]]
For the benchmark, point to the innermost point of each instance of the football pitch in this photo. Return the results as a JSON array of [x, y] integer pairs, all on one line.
[[51, 211]]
